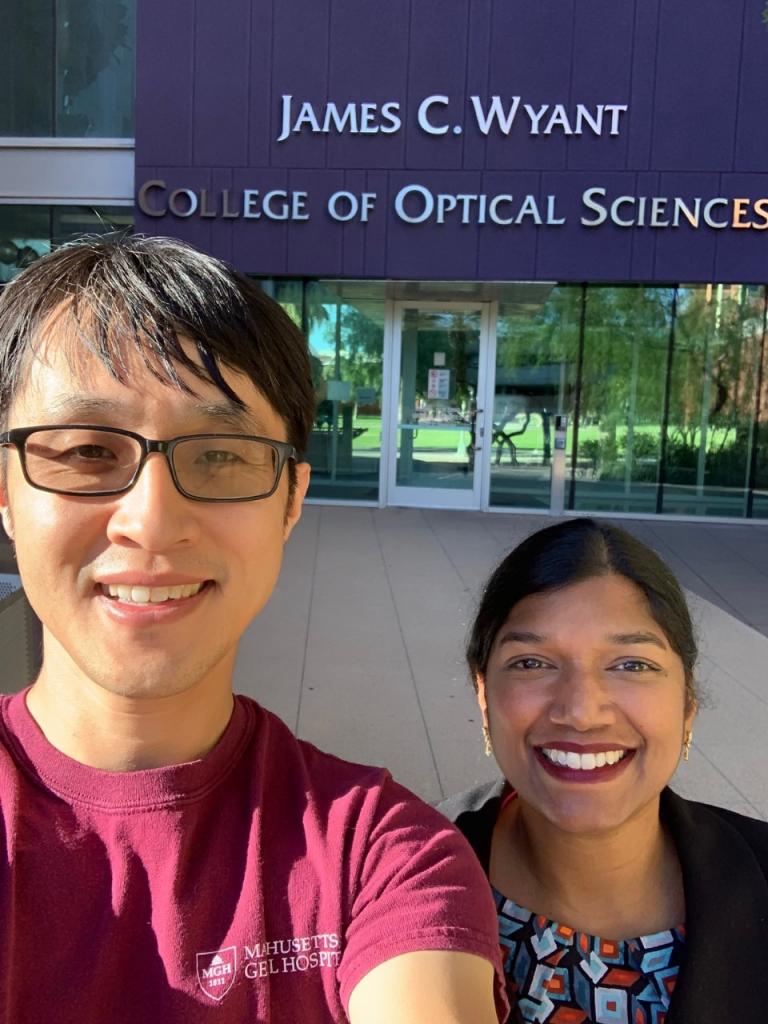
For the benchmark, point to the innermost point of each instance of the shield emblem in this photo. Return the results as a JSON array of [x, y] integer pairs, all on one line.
[[216, 971]]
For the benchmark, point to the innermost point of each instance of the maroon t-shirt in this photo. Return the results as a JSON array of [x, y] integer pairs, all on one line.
[[260, 883]]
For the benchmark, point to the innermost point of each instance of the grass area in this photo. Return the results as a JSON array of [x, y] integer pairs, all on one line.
[[531, 439]]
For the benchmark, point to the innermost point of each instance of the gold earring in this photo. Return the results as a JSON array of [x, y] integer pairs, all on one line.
[[487, 741], [687, 744]]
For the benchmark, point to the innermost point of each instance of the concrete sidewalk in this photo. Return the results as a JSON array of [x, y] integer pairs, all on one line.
[[360, 648]]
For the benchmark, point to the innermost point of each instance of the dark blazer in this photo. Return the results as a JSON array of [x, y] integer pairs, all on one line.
[[724, 858]]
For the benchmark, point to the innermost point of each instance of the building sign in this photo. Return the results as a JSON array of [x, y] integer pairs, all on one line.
[[495, 140]]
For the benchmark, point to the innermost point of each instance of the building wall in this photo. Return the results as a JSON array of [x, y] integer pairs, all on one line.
[[686, 85]]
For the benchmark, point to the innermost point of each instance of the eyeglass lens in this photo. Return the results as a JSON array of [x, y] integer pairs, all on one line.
[[86, 461]]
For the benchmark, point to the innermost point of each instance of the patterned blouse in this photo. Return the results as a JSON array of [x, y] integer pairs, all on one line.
[[556, 975]]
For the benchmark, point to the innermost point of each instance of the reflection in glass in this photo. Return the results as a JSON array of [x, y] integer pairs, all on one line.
[[536, 352], [344, 322], [437, 406], [711, 428], [26, 67], [621, 400], [28, 232], [67, 68], [758, 496]]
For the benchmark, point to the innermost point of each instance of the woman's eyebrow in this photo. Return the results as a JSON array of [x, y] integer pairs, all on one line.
[[636, 638], [515, 636]]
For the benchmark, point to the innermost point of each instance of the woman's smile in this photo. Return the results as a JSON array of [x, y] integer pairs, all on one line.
[[589, 764]]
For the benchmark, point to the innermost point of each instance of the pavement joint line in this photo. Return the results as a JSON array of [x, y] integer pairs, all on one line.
[[309, 620], [738, 682], [443, 548], [731, 783], [407, 653], [724, 540], [733, 609]]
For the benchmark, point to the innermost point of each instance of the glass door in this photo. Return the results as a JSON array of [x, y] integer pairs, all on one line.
[[439, 367]]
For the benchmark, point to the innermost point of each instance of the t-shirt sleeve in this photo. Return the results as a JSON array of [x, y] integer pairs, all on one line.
[[419, 887]]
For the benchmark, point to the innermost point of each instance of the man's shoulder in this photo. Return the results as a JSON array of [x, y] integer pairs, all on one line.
[[276, 740], [327, 779]]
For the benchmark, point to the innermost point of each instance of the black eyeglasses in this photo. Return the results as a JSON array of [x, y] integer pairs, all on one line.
[[99, 461]]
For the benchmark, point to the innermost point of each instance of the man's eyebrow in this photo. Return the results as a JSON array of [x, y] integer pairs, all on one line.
[[230, 414], [82, 405], [516, 636], [636, 638], [224, 414]]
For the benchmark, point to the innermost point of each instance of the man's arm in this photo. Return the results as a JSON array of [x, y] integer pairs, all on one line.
[[425, 987]]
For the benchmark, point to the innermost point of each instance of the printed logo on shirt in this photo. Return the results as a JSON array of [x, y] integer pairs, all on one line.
[[216, 971], [292, 955]]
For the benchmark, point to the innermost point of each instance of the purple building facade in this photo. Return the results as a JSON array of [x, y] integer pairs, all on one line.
[[528, 242]]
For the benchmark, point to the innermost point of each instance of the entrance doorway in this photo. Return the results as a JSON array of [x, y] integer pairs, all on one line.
[[440, 375], [476, 397]]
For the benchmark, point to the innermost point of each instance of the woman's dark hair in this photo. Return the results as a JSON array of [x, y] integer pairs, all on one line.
[[573, 551]]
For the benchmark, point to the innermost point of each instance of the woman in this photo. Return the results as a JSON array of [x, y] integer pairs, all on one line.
[[618, 900]]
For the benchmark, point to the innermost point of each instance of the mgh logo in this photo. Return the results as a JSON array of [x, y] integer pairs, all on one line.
[[216, 971]]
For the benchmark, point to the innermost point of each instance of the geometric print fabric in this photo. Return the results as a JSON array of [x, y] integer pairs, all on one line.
[[556, 975]]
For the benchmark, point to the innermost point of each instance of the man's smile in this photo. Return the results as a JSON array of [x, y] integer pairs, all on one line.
[[142, 594]]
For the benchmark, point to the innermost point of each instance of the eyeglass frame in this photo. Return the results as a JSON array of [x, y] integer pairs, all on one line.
[[17, 438]]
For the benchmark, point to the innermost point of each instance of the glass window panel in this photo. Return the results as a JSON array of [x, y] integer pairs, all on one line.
[[67, 68], [711, 430], [70, 222], [290, 295], [26, 67], [536, 355], [27, 232], [95, 46], [626, 340], [345, 327], [759, 504]]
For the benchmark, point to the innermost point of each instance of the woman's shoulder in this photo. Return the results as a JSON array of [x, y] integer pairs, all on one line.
[[472, 801], [474, 813], [715, 827]]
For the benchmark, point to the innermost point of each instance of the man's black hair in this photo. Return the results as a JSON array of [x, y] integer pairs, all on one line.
[[124, 292]]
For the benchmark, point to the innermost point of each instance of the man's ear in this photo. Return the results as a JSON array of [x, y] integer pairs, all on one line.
[[296, 498], [5, 508]]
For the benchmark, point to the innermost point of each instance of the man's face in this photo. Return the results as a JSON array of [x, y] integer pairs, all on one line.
[[71, 549]]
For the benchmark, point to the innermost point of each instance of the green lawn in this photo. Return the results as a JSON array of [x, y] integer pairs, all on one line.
[[531, 439]]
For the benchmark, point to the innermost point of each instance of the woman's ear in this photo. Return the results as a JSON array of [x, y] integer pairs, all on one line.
[[690, 715], [481, 696]]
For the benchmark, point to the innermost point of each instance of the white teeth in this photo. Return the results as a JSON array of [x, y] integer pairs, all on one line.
[[151, 595], [582, 762]]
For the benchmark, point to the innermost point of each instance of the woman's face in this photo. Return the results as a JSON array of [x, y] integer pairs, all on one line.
[[585, 701]]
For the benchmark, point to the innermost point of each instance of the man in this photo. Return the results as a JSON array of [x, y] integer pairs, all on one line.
[[174, 853]]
